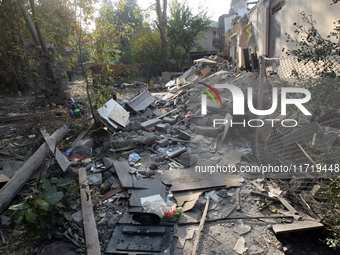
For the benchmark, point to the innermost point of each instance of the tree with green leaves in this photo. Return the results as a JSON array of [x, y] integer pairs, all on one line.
[[146, 46], [33, 36], [184, 29]]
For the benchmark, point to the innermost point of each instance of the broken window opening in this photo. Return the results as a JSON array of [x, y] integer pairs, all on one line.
[[277, 7]]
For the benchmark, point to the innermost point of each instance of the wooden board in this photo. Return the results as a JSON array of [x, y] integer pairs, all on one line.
[[119, 115], [17, 117], [188, 179], [90, 227], [61, 158], [111, 193], [14, 185], [122, 169], [298, 226], [3, 178]]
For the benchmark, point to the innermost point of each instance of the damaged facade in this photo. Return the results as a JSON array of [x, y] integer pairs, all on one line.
[[264, 28]]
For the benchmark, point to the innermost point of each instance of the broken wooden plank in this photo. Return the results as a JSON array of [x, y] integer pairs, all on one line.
[[298, 226], [287, 205], [111, 193], [3, 178], [14, 185], [203, 72], [264, 195], [200, 228], [306, 154], [90, 227], [167, 113], [238, 218], [17, 117], [122, 169], [237, 199], [61, 158]]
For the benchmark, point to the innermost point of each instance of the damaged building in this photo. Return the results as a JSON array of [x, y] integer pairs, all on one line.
[[264, 29]]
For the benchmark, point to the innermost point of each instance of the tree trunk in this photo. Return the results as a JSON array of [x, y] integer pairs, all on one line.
[[29, 23], [42, 43], [162, 24]]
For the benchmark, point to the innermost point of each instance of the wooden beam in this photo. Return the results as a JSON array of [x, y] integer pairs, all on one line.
[[200, 228], [19, 179], [295, 227], [239, 218], [61, 158], [90, 227], [111, 193]]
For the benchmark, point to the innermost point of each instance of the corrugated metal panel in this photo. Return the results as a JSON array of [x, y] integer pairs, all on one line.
[[141, 101]]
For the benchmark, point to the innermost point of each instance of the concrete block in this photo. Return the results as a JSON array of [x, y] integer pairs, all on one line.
[[207, 131], [163, 143], [150, 123], [176, 152], [162, 128], [169, 120], [183, 135]]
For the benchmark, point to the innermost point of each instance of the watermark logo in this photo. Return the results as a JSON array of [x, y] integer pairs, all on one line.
[[239, 102], [204, 97]]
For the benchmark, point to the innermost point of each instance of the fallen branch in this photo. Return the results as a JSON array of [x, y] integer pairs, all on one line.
[[200, 228], [14, 185]]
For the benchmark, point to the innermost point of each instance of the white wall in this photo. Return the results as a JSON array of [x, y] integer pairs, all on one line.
[[322, 12], [227, 23]]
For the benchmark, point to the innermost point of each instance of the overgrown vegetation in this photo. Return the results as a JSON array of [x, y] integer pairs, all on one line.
[[320, 55], [42, 209], [332, 218]]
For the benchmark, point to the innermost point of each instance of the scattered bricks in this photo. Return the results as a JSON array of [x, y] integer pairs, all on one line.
[[163, 143], [175, 153], [174, 130], [183, 135], [147, 139], [150, 123], [151, 129], [207, 131], [162, 127], [148, 113], [142, 118], [169, 120]]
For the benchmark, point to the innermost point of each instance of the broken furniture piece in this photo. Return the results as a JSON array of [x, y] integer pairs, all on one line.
[[141, 239]]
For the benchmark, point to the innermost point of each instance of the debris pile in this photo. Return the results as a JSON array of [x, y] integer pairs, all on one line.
[[159, 169]]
